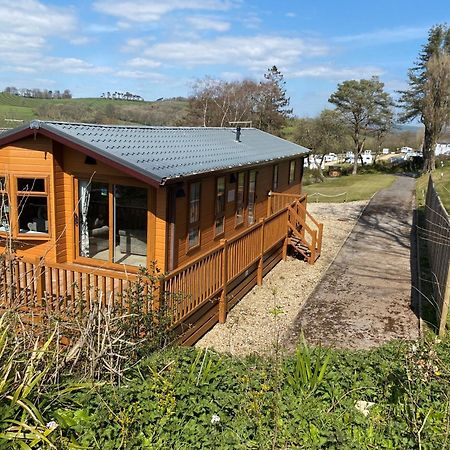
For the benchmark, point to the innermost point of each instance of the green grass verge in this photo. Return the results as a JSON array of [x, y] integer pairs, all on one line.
[[353, 187], [441, 178]]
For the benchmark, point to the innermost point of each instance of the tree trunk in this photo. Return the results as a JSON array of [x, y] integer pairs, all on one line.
[[429, 158], [319, 167]]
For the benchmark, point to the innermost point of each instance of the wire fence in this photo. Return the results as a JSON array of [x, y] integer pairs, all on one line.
[[437, 236], [316, 195]]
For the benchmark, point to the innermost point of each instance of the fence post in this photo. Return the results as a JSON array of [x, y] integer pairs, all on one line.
[[40, 281], [445, 298], [259, 276], [223, 302]]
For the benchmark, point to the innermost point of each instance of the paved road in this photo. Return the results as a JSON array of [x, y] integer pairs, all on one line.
[[365, 296]]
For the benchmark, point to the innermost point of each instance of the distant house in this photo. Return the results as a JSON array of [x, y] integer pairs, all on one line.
[[442, 148], [95, 198]]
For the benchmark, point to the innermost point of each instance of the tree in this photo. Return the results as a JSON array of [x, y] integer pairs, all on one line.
[[323, 134], [218, 102], [365, 109], [425, 99], [272, 106]]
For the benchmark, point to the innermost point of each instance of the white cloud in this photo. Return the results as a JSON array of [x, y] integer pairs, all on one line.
[[141, 75], [291, 14], [335, 73], [208, 23], [254, 52], [385, 36], [143, 62], [31, 17], [72, 66], [152, 11], [81, 40]]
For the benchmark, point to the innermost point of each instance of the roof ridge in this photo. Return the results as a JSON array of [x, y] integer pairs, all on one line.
[[137, 126]]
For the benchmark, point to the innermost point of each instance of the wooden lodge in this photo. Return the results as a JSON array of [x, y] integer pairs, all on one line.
[[84, 206]]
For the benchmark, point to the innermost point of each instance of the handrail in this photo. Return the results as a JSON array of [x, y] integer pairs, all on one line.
[[309, 215], [301, 220], [283, 194], [75, 268]]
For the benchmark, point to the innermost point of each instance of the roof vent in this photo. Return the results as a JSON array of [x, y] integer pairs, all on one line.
[[35, 125]]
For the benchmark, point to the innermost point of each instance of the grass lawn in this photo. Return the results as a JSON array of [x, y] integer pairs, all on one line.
[[441, 178], [352, 187]]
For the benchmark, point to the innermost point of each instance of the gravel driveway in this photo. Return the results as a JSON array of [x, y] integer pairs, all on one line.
[[267, 314]]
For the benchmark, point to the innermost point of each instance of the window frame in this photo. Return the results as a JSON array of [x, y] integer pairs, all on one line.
[[250, 172], [111, 182], [275, 177], [219, 214], [292, 171], [239, 204], [14, 195], [196, 223], [4, 194]]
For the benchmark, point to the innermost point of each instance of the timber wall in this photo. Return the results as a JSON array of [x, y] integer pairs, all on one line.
[[182, 255]]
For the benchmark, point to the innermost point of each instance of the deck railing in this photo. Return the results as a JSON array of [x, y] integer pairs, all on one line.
[[72, 290]]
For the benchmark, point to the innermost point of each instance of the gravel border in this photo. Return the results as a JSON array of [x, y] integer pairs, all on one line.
[[265, 316]]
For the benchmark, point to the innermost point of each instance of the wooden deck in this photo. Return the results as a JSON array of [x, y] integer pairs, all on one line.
[[199, 294]]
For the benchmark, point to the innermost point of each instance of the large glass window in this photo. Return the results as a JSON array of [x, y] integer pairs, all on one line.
[[94, 220], [240, 198], [194, 215], [130, 231], [251, 197], [32, 205], [220, 206]]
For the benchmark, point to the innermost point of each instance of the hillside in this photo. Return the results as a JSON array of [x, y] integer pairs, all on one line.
[[15, 110]]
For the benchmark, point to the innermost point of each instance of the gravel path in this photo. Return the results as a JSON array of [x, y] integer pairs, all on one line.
[[267, 314], [365, 298]]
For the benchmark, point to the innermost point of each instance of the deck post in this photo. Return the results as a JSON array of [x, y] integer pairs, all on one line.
[[259, 276], [40, 281], [319, 244], [269, 204], [223, 302], [312, 258]]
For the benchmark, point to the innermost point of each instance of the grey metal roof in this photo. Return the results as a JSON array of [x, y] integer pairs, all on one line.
[[164, 153]]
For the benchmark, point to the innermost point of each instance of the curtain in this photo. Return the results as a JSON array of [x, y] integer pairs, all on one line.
[[85, 195]]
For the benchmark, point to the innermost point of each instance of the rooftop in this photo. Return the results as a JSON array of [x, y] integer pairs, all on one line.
[[165, 153]]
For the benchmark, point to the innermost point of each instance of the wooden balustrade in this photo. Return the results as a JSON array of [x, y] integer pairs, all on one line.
[[278, 201], [71, 290]]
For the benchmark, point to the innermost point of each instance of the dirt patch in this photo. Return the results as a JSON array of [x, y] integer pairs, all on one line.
[[267, 314]]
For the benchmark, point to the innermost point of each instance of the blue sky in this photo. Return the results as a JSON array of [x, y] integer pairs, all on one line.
[[158, 48]]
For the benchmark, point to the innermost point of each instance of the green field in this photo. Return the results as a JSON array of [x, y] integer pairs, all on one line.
[[15, 109], [348, 188]]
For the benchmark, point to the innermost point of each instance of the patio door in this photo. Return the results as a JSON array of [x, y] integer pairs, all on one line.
[[112, 223]]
